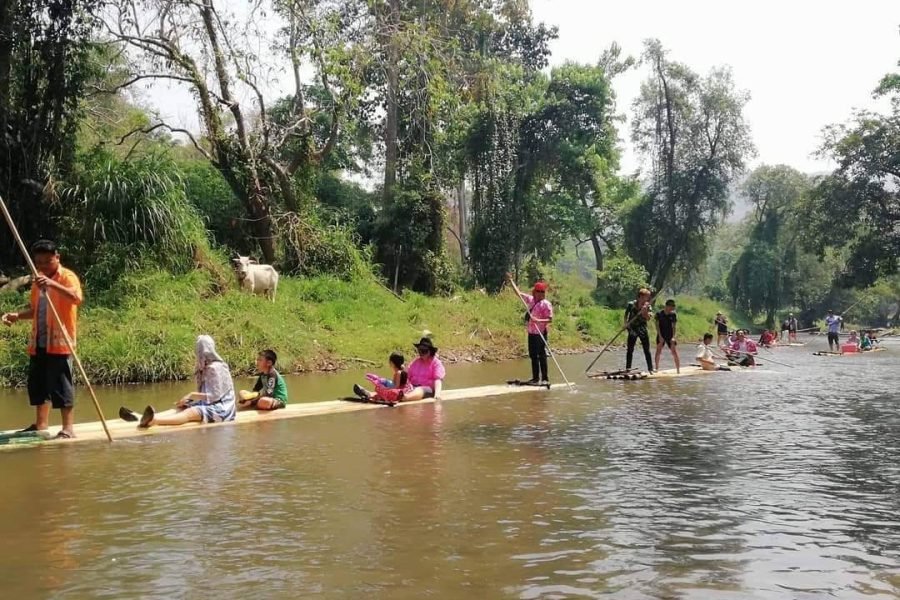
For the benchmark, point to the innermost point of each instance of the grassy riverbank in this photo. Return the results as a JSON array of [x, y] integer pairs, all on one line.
[[318, 324]]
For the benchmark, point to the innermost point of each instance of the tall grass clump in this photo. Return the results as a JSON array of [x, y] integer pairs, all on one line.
[[129, 213]]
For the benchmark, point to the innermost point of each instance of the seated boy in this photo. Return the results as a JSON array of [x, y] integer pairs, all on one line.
[[270, 391], [705, 355]]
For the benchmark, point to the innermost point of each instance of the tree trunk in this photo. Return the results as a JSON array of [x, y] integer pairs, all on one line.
[[257, 206], [598, 256], [662, 274], [6, 32], [263, 227], [896, 320], [391, 149], [462, 208]]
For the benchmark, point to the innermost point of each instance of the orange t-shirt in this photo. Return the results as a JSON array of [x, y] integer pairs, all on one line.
[[65, 306]]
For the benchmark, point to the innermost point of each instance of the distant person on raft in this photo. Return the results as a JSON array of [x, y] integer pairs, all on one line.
[[637, 313], [742, 350], [387, 391], [537, 321], [768, 339], [721, 323], [213, 402], [834, 330], [666, 324], [50, 363], [270, 391], [793, 324]]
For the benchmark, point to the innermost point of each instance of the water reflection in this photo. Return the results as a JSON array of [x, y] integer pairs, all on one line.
[[742, 486]]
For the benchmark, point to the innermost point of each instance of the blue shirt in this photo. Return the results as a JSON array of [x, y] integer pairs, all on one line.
[[834, 323]]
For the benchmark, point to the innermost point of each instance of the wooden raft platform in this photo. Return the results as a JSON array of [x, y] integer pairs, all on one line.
[[829, 353], [93, 431], [637, 375]]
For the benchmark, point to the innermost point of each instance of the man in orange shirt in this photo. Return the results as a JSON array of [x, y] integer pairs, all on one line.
[[50, 367]]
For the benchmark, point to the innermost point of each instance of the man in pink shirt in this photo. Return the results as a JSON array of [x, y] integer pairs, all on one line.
[[537, 319], [426, 373]]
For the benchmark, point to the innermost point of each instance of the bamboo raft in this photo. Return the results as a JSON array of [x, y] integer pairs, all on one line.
[[829, 353], [637, 374], [93, 431]]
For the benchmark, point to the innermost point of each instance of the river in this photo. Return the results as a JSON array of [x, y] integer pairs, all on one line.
[[780, 483]]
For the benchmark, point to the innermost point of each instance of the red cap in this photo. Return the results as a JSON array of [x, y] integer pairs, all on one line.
[[540, 286]]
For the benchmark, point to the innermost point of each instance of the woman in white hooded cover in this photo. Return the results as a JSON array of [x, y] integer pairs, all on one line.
[[213, 402]]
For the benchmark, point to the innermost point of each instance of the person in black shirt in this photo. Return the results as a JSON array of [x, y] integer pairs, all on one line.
[[721, 323], [666, 320], [637, 313]]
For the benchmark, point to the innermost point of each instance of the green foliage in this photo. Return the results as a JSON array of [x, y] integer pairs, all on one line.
[[348, 203], [542, 161], [312, 247], [692, 131], [128, 212], [620, 279], [764, 276], [410, 234], [44, 68], [214, 199], [858, 205]]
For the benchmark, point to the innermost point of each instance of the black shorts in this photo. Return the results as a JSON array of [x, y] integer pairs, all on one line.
[[50, 376], [833, 338], [667, 340]]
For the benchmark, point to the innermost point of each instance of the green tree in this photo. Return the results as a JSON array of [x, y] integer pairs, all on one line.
[[858, 205], [436, 60], [762, 278], [44, 66], [691, 130], [208, 48]]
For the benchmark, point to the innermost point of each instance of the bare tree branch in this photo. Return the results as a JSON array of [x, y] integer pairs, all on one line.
[[161, 125]]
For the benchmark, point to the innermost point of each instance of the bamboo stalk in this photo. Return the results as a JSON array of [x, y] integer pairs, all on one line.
[[69, 342]]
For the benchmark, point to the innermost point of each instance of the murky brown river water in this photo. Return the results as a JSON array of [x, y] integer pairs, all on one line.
[[783, 483]]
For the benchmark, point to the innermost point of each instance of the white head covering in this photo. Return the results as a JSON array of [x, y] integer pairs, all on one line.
[[206, 355]]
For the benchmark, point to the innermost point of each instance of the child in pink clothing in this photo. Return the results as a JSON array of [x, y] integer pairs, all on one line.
[[388, 391]]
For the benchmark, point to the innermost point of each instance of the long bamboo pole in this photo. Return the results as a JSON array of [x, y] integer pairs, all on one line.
[[543, 339], [618, 333], [59, 323]]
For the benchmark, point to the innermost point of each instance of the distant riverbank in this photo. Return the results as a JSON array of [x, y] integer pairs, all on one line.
[[316, 324]]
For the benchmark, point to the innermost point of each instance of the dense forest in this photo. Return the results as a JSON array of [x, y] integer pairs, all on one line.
[[429, 144]]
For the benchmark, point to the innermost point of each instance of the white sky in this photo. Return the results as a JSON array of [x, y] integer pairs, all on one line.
[[806, 64]]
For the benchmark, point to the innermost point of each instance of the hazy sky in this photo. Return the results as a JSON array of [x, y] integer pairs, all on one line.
[[806, 64]]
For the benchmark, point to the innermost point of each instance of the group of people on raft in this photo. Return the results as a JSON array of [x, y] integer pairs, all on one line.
[[56, 294], [736, 347]]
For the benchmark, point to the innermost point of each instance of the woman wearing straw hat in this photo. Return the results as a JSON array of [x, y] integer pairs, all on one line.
[[426, 373]]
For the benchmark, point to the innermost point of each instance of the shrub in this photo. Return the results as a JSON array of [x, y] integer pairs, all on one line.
[[123, 212], [619, 280]]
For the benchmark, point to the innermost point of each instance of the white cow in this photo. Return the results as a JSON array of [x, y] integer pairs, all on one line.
[[256, 278]]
